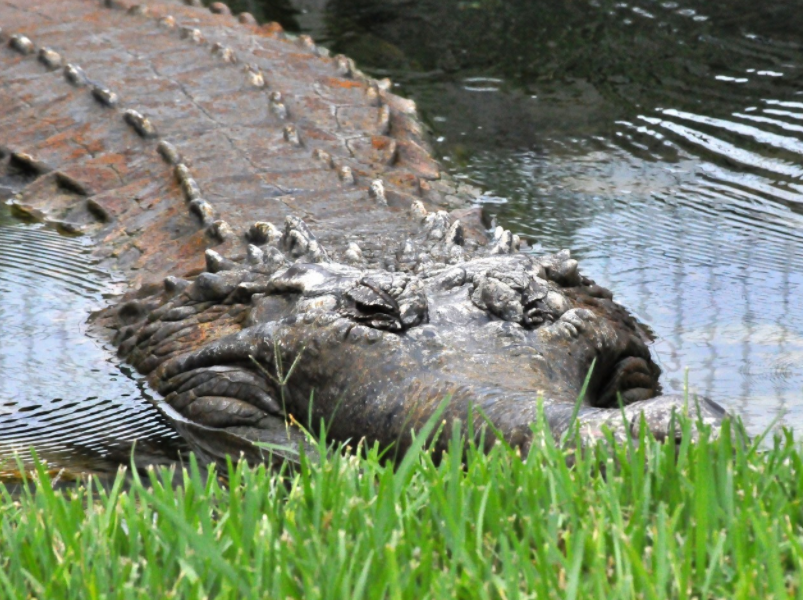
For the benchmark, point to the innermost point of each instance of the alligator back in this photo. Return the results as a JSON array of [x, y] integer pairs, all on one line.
[[165, 129]]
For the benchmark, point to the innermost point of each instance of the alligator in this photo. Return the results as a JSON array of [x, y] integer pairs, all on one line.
[[293, 252]]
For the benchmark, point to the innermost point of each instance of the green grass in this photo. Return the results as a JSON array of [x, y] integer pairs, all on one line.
[[713, 519]]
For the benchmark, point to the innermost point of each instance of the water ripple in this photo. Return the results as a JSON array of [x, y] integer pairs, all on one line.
[[48, 287]]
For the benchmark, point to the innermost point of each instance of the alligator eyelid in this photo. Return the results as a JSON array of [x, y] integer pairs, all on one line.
[[381, 293]]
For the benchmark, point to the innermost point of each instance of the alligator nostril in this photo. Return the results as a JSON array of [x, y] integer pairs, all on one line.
[[632, 378], [131, 312]]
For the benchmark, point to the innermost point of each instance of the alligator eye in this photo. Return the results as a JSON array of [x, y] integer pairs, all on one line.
[[374, 306], [511, 297], [395, 306]]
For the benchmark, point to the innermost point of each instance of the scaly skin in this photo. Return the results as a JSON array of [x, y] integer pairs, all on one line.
[[164, 131]]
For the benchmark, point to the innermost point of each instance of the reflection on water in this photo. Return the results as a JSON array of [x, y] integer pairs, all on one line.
[[61, 391], [661, 141]]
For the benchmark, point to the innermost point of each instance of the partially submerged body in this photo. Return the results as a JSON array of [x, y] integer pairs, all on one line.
[[194, 181]]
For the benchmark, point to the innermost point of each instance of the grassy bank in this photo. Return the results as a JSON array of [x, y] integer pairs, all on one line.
[[715, 519]]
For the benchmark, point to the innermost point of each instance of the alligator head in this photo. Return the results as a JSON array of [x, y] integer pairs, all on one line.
[[373, 350]]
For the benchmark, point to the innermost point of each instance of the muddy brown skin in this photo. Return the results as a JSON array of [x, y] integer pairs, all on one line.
[[272, 206]]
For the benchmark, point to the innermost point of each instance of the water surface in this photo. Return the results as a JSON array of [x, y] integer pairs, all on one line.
[[661, 141], [61, 391]]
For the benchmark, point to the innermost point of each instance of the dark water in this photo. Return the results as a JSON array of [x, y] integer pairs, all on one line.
[[60, 390], [661, 141]]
